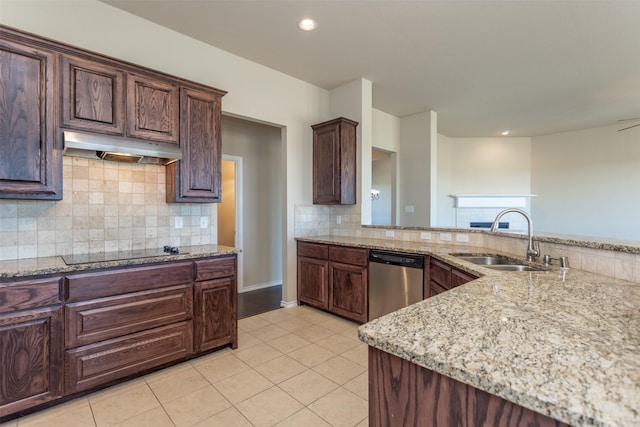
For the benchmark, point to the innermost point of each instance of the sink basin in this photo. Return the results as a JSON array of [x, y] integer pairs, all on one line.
[[499, 263], [488, 260], [515, 267]]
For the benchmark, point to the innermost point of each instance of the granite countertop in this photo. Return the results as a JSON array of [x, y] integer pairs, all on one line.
[[56, 265], [564, 343]]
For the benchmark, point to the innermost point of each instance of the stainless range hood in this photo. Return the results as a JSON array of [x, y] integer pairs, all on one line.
[[114, 148]]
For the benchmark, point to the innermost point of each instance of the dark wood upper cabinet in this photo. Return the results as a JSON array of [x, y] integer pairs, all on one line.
[[30, 155], [197, 177], [92, 96], [334, 162], [154, 109]]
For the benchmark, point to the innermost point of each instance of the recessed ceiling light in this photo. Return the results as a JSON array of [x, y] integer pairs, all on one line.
[[307, 24], [506, 132]]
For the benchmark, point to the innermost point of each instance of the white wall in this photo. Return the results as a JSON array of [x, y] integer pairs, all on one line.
[[587, 182], [353, 101], [414, 169], [480, 166], [386, 131], [259, 146], [255, 91]]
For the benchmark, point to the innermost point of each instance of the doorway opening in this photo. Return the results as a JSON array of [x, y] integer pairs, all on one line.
[[252, 176], [383, 187], [230, 209]]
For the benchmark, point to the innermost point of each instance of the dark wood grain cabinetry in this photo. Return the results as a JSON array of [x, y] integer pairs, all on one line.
[[348, 282], [215, 312], [30, 349], [60, 336], [48, 87], [142, 319], [30, 151], [334, 278], [334, 162], [153, 109], [404, 394], [313, 274], [93, 96], [440, 277], [197, 177]]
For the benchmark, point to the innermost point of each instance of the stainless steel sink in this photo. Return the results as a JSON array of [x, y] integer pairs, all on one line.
[[488, 260], [499, 263], [515, 267]]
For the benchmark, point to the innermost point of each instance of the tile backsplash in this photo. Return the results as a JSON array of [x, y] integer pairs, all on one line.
[[106, 206]]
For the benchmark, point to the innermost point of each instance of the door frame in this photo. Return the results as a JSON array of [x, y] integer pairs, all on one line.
[[239, 215]]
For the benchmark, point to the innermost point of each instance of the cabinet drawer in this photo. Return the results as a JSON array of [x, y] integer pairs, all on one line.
[[440, 273], [123, 280], [100, 319], [30, 294], [96, 364], [345, 255], [215, 268], [313, 250]]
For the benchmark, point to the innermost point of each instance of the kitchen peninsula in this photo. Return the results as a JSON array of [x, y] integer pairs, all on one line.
[[562, 343]]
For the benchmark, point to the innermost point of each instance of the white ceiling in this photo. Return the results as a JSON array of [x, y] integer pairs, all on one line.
[[534, 67]]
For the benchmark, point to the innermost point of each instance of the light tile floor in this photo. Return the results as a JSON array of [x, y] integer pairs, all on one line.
[[293, 367]]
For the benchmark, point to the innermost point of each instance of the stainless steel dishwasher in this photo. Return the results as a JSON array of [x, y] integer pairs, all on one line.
[[395, 281]]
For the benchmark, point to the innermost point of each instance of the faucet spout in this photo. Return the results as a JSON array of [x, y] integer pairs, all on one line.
[[533, 249]]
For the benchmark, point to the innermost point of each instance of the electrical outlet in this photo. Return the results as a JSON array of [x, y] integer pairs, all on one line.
[[338, 219], [425, 235], [389, 233], [445, 237], [178, 223], [464, 238], [204, 222]]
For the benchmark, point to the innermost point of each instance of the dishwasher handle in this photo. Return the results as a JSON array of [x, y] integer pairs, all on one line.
[[396, 258]]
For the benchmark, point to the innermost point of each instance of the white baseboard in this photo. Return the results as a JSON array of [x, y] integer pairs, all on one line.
[[288, 304], [260, 286]]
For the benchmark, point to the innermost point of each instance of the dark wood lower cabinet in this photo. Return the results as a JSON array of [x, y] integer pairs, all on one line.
[[112, 324], [214, 314], [403, 394], [348, 286], [30, 358], [95, 364], [313, 285]]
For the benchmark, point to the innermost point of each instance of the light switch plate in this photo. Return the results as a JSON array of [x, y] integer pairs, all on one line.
[[464, 238], [389, 233], [409, 209], [204, 222], [338, 219], [425, 235], [178, 223]]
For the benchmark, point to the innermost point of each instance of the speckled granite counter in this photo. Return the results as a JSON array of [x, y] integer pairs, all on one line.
[[564, 344], [56, 265]]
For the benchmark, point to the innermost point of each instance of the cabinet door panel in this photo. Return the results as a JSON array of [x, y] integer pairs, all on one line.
[[154, 109], [348, 294], [30, 358], [30, 162], [216, 314], [440, 273], [326, 166], [313, 286], [92, 96], [197, 177], [96, 364], [105, 318]]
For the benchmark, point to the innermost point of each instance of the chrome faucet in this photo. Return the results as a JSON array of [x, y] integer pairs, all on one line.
[[533, 248]]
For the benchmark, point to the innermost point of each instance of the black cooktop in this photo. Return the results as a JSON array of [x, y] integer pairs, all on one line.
[[120, 255]]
